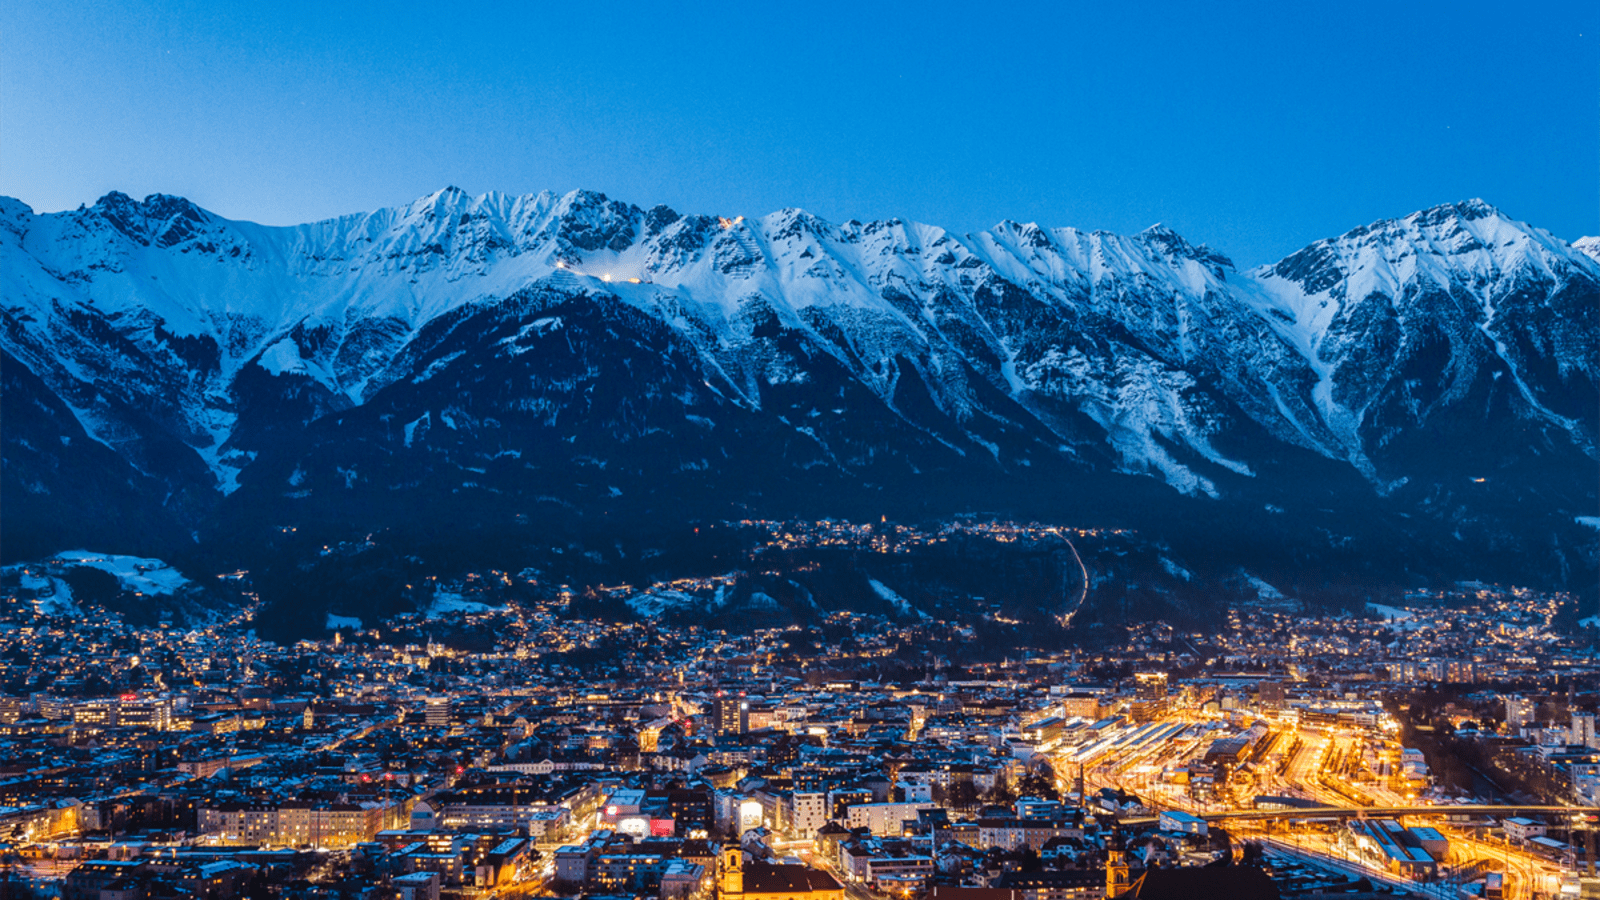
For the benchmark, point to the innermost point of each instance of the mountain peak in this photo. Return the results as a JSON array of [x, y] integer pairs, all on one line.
[[1173, 244], [1465, 210], [162, 219]]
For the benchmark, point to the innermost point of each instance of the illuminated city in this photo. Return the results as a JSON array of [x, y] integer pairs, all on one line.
[[1446, 747]]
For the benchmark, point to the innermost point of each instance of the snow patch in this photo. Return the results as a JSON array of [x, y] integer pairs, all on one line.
[[901, 604], [1175, 570], [334, 623], [1403, 619], [447, 602], [52, 596], [437, 366], [282, 357], [759, 600], [535, 328], [1264, 590], [411, 426], [147, 576], [654, 604]]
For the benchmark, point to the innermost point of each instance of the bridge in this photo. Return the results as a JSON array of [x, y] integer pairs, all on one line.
[[1376, 812]]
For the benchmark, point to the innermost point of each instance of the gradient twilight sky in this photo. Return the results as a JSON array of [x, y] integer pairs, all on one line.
[[1255, 127]]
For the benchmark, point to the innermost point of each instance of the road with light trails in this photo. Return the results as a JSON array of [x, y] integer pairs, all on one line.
[[1066, 617]]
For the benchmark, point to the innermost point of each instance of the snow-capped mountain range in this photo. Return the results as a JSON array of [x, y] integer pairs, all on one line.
[[575, 349]]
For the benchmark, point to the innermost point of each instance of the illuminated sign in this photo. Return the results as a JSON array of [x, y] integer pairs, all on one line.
[[749, 815]]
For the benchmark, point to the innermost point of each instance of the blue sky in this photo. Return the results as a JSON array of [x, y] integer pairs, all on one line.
[[1255, 127]]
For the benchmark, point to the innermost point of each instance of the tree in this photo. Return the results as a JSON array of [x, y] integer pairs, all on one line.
[[1001, 794], [964, 794]]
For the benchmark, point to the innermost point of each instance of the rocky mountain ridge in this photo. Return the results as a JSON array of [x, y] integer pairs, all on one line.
[[181, 376]]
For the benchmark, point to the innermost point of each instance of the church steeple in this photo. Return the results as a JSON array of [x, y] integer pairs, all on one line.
[[1117, 880], [732, 886]]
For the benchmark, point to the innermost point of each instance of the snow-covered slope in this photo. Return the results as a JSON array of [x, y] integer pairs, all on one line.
[[477, 328], [1405, 319], [140, 590]]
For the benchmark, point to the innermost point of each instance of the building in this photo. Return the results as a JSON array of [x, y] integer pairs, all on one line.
[[731, 714], [437, 712], [1151, 685], [899, 874], [1183, 823], [771, 881], [884, 818], [809, 811], [418, 886], [1520, 830], [1011, 834], [683, 878], [1230, 751], [295, 823], [573, 861], [1413, 765], [1065, 884], [42, 821], [1118, 872], [1586, 783], [1520, 712], [1387, 844], [90, 878], [1044, 731], [249, 824], [95, 714], [1583, 730], [1081, 706], [155, 715], [629, 869], [499, 807]]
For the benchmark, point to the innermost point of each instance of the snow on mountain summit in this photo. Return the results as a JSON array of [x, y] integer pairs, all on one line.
[[155, 321]]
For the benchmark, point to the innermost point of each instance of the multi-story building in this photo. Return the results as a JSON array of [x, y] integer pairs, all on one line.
[[295, 823], [90, 878], [1583, 734], [1520, 712], [250, 824], [437, 712], [884, 818], [808, 812], [155, 715], [731, 714], [498, 808], [1010, 834], [95, 713]]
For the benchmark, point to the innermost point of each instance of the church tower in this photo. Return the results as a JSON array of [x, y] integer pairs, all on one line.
[[732, 872], [1117, 881]]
